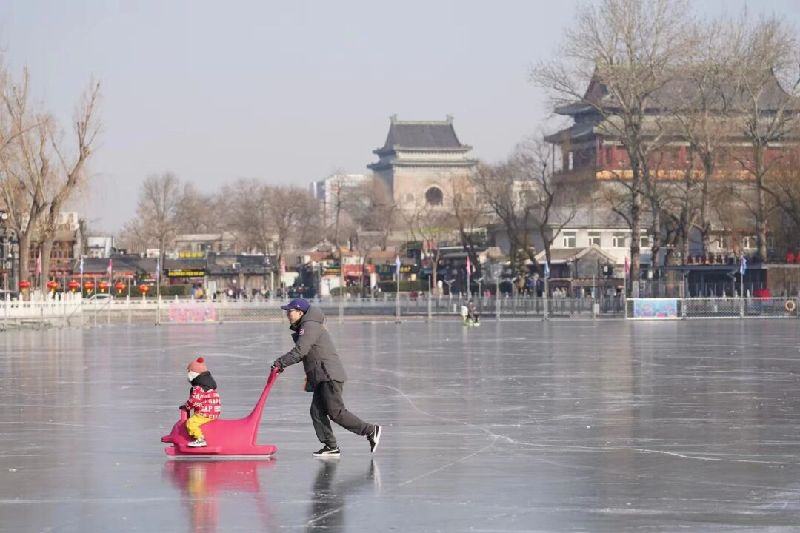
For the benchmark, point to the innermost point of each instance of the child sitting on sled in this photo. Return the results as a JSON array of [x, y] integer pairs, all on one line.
[[203, 404]]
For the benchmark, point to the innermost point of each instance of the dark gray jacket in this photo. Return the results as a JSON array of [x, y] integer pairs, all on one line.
[[313, 346]]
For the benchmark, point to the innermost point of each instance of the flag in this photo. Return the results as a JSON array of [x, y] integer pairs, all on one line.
[[469, 266], [158, 269], [742, 265], [546, 269], [397, 266], [110, 266], [39, 263], [81, 265], [627, 268]]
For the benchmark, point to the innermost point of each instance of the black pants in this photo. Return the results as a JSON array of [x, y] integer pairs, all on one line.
[[327, 403]]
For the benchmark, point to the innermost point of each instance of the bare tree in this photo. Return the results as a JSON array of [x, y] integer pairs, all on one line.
[[431, 225], [626, 50], [470, 214], [133, 237], [547, 204], [247, 204], [503, 188], [373, 210], [703, 114], [294, 217], [768, 85], [785, 193], [369, 212], [69, 173], [197, 212], [27, 164], [157, 210]]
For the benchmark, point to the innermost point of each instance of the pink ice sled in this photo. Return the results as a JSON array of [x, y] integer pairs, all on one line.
[[224, 437]]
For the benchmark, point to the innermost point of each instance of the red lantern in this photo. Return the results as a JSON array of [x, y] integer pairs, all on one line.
[[103, 286], [120, 287], [24, 284], [52, 285], [73, 285], [89, 286], [144, 288]]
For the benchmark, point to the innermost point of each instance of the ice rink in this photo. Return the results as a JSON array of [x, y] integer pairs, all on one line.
[[513, 426]]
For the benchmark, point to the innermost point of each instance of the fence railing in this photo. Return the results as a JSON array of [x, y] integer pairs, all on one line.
[[689, 308], [71, 310], [74, 311]]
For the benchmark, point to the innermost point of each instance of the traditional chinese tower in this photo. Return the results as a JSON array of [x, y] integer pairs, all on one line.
[[423, 163]]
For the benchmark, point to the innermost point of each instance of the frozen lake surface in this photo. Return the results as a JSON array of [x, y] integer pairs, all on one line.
[[513, 426]]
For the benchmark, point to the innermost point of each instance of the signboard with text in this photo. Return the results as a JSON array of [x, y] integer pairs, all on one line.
[[186, 273]]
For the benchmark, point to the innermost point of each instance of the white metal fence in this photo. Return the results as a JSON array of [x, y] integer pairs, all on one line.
[[690, 308], [71, 310], [74, 311]]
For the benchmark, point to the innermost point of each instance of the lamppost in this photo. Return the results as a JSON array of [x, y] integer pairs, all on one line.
[[495, 272], [3, 250], [7, 251]]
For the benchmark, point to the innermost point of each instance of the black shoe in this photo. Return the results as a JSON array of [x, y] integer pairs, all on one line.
[[374, 439], [327, 451]]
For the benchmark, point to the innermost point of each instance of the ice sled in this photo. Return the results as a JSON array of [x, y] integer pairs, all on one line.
[[225, 438]]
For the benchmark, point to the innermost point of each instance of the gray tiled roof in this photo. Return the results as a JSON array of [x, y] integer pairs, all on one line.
[[681, 92], [574, 132], [424, 135]]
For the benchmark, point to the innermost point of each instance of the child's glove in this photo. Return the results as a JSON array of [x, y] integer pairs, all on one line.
[[183, 407], [277, 365]]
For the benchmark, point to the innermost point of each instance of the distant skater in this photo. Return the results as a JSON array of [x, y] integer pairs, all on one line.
[[472, 313], [325, 377]]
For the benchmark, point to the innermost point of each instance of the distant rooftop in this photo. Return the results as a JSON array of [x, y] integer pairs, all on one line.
[[421, 135]]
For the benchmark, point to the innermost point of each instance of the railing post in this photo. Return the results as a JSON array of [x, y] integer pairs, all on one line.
[[497, 298], [546, 297]]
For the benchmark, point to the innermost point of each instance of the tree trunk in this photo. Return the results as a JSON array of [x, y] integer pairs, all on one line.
[[435, 273], [47, 248], [636, 221], [24, 250], [761, 215], [708, 169], [655, 233]]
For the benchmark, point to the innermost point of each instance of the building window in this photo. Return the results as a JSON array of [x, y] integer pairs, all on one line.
[[749, 242], [434, 196], [409, 198], [570, 239], [618, 240], [594, 238], [644, 241]]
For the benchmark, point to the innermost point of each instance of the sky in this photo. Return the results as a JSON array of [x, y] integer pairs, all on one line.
[[286, 92]]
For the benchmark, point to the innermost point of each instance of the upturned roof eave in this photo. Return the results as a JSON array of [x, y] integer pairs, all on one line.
[[386, 150], [422, 162]]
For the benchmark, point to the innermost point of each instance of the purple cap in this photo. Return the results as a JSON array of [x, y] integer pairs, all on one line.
[[297, 303]]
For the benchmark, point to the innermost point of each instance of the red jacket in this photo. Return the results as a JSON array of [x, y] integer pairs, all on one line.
[[204, 402]]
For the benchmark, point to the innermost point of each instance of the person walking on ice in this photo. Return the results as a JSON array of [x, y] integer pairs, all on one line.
[[325, 377]]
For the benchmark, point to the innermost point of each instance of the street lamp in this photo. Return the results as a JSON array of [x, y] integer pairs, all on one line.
[[7, 250], [3, 251]]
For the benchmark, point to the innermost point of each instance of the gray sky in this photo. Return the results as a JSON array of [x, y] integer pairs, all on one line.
[[285, 91]]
